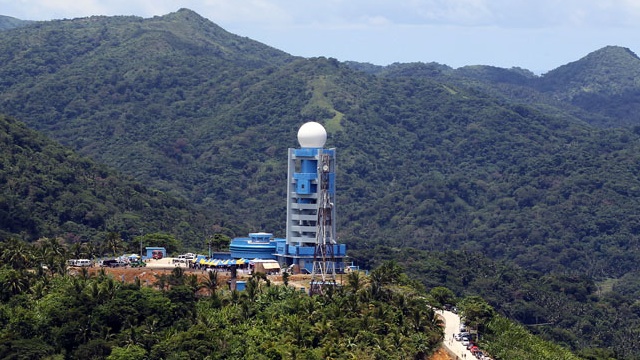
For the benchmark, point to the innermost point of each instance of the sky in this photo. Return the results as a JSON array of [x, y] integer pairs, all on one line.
[[538, 35]]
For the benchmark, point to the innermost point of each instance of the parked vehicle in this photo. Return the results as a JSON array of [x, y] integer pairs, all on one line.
[[138, 263], [156, 254], [187, 256], [113, 263], [79, 262]]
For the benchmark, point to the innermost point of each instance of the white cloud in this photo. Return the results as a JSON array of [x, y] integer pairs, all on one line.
[[280, 13], [377, 20], [245, 11]]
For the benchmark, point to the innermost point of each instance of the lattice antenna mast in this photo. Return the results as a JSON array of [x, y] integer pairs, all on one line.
[[324, 262]]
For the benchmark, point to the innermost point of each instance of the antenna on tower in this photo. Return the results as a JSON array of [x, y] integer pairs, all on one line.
[[323, 275]]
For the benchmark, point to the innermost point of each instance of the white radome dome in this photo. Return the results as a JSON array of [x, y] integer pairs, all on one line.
[[312, 135]]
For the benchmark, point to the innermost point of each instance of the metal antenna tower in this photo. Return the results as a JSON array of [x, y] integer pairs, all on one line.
[[324, 262]]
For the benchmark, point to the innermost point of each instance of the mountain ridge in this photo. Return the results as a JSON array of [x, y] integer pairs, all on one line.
[[474, 160], [621, 66], [8, 22], [192, 121]]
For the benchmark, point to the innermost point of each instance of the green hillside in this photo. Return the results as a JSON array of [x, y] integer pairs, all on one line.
[[191, 110], [8, 22], [481, 160], [605, 82], [46, 190], [94, 315], [568, 309], [601, 88]]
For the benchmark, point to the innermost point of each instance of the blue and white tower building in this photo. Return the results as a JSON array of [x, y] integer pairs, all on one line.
[[311, 211]]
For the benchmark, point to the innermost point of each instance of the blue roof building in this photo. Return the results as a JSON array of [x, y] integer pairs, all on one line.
[[259, 245]]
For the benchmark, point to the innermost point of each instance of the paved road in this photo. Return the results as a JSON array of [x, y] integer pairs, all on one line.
[[452, 326]]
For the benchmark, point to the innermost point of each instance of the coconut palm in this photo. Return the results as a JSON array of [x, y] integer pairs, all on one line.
[[355, 282], [15, 282], [16, 254], [162, 281], [114, 242], [211, 282]]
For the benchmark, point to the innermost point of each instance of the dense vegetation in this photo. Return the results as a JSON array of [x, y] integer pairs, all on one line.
[[602, 88], [47, 314], [508, 340], [486, 160], [48, 189], [8, 22], [199, 113], [572, 310]]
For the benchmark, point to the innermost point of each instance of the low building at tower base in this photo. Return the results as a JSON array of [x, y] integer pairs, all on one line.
[[262, 245]]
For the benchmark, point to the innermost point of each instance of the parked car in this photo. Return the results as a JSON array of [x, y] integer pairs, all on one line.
[[113, 263], [465, 341], [138, 263], [79, 262]]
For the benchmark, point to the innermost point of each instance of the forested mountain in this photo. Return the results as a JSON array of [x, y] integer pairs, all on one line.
[[605, 82], [189, 109], [573, 310], [602, 88], [8, 22], [48, 190], [501, 162]]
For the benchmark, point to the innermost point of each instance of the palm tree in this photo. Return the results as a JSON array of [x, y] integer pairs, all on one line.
[[177, 276], [109, 288], [17, 254], [55, 247], [40, 288], [50, 252], [355, 281], [76, 251], [15, 282], [161, 281], [211, 282], [191, 282], [114, 242], [84, 274]]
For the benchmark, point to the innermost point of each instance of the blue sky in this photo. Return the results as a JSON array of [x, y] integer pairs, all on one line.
[[538, 35]]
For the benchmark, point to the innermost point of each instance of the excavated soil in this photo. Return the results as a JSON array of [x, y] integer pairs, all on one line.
[[441, 354]]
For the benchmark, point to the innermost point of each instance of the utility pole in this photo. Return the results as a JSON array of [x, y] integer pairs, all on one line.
[[141, 232]]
